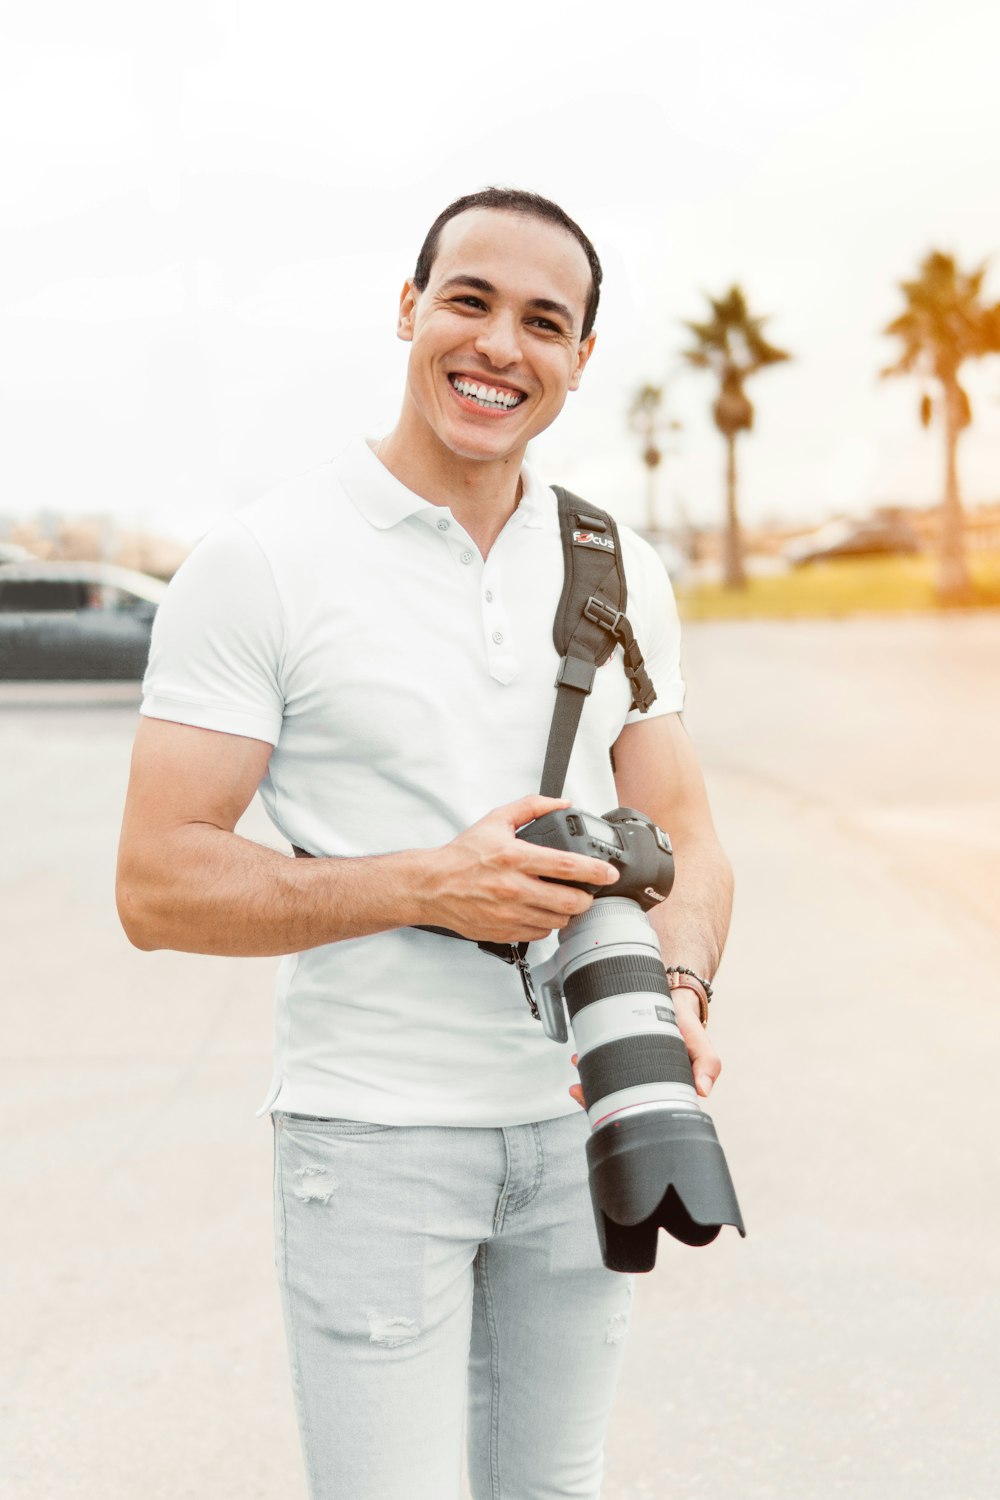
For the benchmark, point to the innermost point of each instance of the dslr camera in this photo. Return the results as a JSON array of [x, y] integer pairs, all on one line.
[[654, 1157]]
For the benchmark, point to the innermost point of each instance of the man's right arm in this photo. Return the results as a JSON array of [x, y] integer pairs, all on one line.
[[187, 881]]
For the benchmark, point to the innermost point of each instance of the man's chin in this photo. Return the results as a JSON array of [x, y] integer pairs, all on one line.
[[490, 447], [496, 443]]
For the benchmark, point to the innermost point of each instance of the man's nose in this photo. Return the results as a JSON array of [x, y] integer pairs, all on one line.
[[499, 341]]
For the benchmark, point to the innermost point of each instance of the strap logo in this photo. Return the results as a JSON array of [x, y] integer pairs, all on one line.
[[593, 539]]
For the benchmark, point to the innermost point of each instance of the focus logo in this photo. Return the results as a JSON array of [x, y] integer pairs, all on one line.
[[593, 539]]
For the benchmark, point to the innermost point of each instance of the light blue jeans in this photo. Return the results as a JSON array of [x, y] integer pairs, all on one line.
[[428, 1269]]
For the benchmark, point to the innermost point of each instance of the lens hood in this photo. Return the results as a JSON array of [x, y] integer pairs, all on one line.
[[656, 1168]]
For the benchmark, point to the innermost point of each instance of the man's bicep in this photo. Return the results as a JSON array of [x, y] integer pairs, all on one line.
[[657, 772], [182, 775]]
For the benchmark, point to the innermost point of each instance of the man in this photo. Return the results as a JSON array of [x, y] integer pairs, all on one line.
[[371, 646]]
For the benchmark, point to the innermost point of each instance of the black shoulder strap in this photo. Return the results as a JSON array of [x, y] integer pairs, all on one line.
[[590, 621]]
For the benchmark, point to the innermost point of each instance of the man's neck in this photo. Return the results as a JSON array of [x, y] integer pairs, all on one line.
[[481, 495]]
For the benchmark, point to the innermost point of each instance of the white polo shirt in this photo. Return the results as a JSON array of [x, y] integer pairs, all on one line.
[[407, 687]]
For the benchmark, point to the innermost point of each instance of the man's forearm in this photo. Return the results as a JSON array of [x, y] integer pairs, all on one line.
[[693, 923], [200, 888], [211, 891]]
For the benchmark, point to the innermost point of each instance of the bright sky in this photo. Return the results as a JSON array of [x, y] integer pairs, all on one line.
[[208, 210]]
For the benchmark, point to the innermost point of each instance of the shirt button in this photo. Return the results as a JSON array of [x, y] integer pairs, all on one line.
[[466, 557], [489, 596], [443, 525], [498, 637]]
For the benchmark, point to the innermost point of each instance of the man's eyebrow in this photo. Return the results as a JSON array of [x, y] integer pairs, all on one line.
[[473, 281], [542, 304], [545, 304]]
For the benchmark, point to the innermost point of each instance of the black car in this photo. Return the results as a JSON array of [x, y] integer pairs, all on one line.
[[75, 620], [876, 536]]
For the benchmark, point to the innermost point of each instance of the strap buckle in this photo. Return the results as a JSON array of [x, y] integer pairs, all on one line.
[[600, 613], [524, 970], [615, 623]]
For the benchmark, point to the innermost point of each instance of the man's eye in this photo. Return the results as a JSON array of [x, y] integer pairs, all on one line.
[[470, 301], [545, 324]]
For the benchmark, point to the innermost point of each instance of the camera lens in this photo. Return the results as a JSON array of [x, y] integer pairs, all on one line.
[[653, 1153]]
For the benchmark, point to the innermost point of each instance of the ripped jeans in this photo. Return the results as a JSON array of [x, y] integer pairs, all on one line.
[[439, 1281]]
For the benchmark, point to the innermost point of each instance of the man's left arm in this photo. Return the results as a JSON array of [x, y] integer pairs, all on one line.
[[657, 772]]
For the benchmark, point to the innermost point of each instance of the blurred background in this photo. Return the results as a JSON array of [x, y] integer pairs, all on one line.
[[207, 214], [209, 211]]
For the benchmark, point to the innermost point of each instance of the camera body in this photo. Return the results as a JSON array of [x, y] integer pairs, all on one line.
[[639, 850], [653, 1155]]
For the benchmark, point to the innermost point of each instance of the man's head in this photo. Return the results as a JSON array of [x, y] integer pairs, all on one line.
[[498, 317], [529, 205]]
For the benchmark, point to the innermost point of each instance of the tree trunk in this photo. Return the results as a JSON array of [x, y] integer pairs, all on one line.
[[954, 583], [650, 497], [733, 572]]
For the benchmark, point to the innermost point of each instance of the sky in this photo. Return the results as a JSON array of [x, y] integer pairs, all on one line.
[[207, 212]]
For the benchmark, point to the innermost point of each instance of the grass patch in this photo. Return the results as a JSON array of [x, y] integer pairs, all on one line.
[[844, 586]]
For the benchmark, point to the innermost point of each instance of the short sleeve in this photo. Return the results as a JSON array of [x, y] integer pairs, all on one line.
[[216, 653], [652, 611]]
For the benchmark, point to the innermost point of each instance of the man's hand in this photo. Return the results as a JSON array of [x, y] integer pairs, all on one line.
[[705, 1062], [487, 884]]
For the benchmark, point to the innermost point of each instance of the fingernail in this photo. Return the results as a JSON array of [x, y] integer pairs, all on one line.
[[704, 1085]]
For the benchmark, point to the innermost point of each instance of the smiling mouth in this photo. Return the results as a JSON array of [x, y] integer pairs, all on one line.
[[489, 397]]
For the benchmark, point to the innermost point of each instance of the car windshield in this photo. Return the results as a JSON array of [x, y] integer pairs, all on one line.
[[43, 594]]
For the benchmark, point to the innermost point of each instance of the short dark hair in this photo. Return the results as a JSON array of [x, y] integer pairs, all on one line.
[[513, 201]]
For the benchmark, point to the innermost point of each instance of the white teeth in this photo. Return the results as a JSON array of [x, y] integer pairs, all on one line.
[[486, 395]]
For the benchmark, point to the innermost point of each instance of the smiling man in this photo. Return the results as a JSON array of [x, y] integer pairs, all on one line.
[[371, 647]]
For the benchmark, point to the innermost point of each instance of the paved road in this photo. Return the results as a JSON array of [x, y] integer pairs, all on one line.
[[850, 1347]]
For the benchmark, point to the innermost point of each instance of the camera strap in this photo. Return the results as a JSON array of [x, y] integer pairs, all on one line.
[[590, 622]]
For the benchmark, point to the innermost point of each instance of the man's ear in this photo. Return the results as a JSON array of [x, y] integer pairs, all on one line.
[[584, 352], [407, 311]]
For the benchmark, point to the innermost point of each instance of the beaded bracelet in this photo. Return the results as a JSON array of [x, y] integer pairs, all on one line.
[[700, 987], [679, 969]]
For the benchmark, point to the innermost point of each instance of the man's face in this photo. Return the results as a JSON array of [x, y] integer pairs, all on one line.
[[495, 334]]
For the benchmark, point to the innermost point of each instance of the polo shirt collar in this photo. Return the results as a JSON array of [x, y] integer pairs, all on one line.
[[378, 495], [384, 501], [537, 506]]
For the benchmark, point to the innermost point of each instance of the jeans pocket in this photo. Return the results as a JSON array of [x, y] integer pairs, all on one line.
[[323, 1125]]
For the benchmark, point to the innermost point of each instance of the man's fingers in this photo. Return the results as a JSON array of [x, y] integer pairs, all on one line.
[[555, 865], [526, 809], [706, 1064], [536, 860], [576, 1089]]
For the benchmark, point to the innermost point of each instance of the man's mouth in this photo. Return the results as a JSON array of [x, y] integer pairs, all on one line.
[[490, 397]]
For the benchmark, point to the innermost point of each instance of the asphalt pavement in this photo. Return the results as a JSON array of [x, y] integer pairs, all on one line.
[[849, 1347]]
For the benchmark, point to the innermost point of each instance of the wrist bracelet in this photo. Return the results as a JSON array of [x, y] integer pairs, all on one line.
[[679, 969], [680, 978]]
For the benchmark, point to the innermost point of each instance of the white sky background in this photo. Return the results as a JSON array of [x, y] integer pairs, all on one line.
[[208, 210]]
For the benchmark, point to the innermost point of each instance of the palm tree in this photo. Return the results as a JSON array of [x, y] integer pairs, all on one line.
[[943, 324], [732, 346], [646, 418]]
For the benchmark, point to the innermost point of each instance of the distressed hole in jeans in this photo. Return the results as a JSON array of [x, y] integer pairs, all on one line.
[[390, 1332], [315, 1184], [617, 1328]]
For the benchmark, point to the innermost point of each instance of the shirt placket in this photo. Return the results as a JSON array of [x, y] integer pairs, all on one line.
[[485, 575]]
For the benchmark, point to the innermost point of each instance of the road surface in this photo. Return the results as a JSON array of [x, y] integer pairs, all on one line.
[[850, 1347]]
